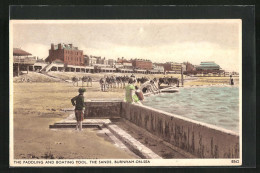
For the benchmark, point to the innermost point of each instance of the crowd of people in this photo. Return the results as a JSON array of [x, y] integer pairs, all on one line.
[[133, 95]]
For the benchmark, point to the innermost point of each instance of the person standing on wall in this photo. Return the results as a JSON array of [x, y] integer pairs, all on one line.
[[78, 102]]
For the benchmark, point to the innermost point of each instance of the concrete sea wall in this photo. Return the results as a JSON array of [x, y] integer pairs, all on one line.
[[197, 138], [103, 109]]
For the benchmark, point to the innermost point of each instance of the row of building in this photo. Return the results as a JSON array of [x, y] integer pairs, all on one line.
[[71, 55], [68, 55]]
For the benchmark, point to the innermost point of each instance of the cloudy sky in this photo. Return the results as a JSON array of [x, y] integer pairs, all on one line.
[[157, 40]]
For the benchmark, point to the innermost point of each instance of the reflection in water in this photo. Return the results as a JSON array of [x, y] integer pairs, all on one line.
[[214, 105]]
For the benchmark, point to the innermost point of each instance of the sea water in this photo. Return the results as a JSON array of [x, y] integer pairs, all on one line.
[[213, 105]]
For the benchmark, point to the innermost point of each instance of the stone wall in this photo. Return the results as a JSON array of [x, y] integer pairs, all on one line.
[[200, 139], [103, 109]]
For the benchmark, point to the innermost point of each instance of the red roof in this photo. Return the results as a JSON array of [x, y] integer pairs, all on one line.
[[123, 61], [20, 52]]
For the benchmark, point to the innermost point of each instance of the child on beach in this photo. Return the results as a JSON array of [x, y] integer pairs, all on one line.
[[139, 93], [78, 102]]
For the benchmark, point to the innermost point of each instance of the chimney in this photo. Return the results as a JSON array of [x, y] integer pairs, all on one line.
[[52, 46], [59, 46]]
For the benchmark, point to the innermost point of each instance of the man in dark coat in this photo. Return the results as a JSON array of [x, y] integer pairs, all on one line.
[[231, 80], [78, 102]]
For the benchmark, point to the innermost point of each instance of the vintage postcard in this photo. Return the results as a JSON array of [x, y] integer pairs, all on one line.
[[102, 93]]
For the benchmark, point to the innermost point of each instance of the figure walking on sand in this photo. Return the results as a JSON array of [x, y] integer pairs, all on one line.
[[231, 80], [130, 96], [78, 102]]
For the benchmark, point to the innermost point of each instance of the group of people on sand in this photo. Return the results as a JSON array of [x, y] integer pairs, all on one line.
[[133, 95]]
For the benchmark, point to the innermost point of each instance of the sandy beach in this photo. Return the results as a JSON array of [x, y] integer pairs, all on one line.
[[39, 103]]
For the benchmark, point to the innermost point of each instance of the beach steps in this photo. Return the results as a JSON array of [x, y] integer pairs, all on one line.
[[70, 122], [73, 125], [120, 137]]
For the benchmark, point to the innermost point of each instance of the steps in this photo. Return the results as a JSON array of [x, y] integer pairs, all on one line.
[[73, 125], [118, 135], [47, 67]]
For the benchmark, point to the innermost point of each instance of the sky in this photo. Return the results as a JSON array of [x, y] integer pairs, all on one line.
[[157, 40]]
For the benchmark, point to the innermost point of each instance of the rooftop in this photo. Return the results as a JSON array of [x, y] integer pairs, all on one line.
[[208, 64], [66, 46], [20, 52]]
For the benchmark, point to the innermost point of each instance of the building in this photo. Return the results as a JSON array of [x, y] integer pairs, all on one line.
[[86, 60], [104, 61], [233, 73], [127, 65], [22, 61], [111, 62], [209, 66], [100, 64], [121, 60], [167, 67], [99, 59], [173, 67], [93, 60], [176, 67], [158, 68], [123, 63], [184, 66], [118, 65], [189, 67], [67, 53], [142, 64]]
